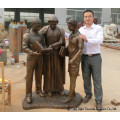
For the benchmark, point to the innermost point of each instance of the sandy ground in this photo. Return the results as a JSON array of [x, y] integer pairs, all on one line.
[[110, 83]]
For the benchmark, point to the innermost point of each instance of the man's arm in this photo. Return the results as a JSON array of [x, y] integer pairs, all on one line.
[[96, 40]]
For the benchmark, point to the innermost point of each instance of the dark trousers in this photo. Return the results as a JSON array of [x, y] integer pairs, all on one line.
[[34, 63], [91, 66]]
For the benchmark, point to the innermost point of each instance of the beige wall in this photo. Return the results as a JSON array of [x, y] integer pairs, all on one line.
[[2, 15]]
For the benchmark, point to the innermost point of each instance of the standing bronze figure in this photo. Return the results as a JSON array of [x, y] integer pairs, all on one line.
[[34, 58], [54, 67], [74, 47]]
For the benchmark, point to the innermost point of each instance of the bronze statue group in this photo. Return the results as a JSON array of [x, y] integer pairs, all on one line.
[[46, 50]]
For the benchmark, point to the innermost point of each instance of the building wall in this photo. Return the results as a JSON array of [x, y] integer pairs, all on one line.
[[2, 15], [61, 13], [106, 16]]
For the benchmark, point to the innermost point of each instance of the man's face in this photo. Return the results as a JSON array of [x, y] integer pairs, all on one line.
[[88, 18], [36, 27], [70, 27], [53, 24]]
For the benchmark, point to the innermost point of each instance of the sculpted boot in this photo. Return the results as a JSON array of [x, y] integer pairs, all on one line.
[[69, 99], [50, 94], [29, 99], [62, 93], [40, 93]]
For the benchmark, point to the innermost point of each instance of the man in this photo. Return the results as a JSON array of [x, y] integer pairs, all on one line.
[[54, 67], [74, 48], [91, 59], [34, 59]]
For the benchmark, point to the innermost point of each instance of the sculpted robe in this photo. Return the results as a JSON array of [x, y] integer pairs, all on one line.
[[54, 64]]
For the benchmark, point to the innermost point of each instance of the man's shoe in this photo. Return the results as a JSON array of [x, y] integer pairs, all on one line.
[[99, 106], [86, 99], [29, 100], [40, 93]]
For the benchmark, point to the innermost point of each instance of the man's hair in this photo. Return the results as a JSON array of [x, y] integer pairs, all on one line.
[[72, 22], [88, 11]]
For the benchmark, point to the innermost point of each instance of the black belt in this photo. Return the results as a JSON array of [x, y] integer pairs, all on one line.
[[90, 55]]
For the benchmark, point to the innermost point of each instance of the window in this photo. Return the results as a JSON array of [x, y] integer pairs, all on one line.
[[70, 14], [118, 20], [28, 16], [98, 16], [76, 8], [8, 16], [115, 10], [46, 17], [95, 9], [77, 13], [79, 16], [114, 18], [115, 15]]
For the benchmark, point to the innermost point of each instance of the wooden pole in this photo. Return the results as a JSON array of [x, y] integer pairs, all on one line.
[[16, 43], [23, 31], [3, 87]]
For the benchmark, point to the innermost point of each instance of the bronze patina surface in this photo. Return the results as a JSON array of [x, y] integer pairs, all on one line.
[[51, 102]]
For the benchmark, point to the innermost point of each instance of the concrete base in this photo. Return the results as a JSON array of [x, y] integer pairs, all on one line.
[[51, 102]]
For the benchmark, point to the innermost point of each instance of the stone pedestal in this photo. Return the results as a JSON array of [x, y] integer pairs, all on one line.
[[54, 102]]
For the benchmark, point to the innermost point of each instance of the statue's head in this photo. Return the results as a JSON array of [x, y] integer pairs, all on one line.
[[36, 24], [80, 24], [72, 24], [112, 26], [53, 21]]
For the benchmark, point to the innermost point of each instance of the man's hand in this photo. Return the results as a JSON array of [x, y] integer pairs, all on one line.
[[36, 53], [83, 37]]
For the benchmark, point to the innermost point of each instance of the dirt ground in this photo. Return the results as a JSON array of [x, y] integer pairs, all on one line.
[[110, 83]]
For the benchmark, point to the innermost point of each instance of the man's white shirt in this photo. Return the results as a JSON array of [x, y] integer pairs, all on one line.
[[94, 36]]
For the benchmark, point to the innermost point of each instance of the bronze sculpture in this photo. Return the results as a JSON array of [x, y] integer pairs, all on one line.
[[34, 59], [74, 48], [54, 67]]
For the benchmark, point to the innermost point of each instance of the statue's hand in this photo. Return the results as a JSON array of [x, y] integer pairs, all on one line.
[[47, 49], [50, 46], [70, 62], [34, 53]]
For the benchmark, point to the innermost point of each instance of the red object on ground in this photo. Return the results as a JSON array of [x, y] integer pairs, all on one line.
[[0, 51]]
